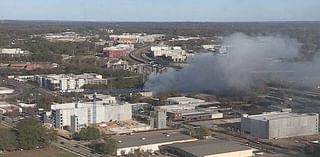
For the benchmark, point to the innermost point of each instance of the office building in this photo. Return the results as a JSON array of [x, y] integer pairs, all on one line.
[[81, 114]]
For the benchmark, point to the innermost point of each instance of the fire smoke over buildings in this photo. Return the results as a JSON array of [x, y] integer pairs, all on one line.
[[249, 60]]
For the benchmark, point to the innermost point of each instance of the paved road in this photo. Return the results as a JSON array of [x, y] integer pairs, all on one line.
[[75, 148], [136, 55]]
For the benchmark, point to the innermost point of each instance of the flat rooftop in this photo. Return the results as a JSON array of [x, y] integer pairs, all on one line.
[[207, 147], [184, 99], [278, 115], [146, 138]]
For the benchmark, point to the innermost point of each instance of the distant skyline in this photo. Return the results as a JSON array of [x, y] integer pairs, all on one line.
[[161, 10]]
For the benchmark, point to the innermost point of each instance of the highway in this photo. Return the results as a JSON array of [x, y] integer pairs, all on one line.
[[75, 147], [136, 55]]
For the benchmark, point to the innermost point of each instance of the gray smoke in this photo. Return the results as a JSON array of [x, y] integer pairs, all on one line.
[[249, 60]]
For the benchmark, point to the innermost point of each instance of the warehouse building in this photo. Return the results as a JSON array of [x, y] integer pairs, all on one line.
[[208, 148], [75, 116], [194, 115], [69, 82], [149, 141], [276, 125]]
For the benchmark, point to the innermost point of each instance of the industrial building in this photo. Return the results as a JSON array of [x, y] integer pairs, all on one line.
[[176, 53], [208, 148], [69, 82], [149, 141], [101, 109], [276, 125], [182, 100], [194, 115]]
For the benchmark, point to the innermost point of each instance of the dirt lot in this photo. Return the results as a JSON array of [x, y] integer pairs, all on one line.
[[47, 152]]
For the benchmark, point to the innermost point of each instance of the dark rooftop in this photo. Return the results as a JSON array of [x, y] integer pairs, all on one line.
[[207, 147]]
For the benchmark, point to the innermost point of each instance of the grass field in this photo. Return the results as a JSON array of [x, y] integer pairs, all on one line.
[[47, 152]]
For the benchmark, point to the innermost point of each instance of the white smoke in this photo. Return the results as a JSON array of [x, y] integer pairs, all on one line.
[[250, 59]]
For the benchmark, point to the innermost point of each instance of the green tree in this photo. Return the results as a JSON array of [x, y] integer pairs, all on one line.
[[89, 133], [109, 147], [32, 134], [7, 140], [200, 133]]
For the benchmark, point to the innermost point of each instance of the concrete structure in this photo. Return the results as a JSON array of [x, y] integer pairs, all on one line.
[[75, 127], [276, 125], [69, 82], [148, 141], [5, 90], [161, 119], [66, 115], [176, 53], [208, 148]]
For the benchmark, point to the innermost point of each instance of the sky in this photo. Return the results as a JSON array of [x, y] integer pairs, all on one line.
[[161, 10]]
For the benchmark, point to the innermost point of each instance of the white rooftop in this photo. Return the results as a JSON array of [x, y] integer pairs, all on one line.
[[277, 115]]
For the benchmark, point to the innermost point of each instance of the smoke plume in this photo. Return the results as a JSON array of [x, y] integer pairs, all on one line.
[[250, 59]]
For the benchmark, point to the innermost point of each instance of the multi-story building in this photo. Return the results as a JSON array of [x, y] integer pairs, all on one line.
[[276, 125], [176, 53], [68, 82], [161, 119], [118, 51], [81, 114]]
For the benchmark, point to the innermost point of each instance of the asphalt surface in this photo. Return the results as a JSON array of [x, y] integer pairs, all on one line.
[[75, 148]]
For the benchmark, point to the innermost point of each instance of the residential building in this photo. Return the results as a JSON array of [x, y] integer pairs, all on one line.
[[69, 82], [176, 53], [276, 125]]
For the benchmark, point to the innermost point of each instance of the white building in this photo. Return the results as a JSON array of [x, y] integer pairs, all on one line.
[[5, 90], [149, 141], [176, 53], [69, 82], [182, 100], [276, 125], [81, 114], [15, 51]]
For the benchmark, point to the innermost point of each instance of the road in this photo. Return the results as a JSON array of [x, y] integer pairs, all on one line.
[[74, 147], [136, 55]]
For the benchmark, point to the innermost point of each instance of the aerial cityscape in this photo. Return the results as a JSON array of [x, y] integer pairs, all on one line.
[[168, 78]]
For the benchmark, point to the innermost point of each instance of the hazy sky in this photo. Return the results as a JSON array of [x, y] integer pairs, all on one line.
[[161, 10]]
